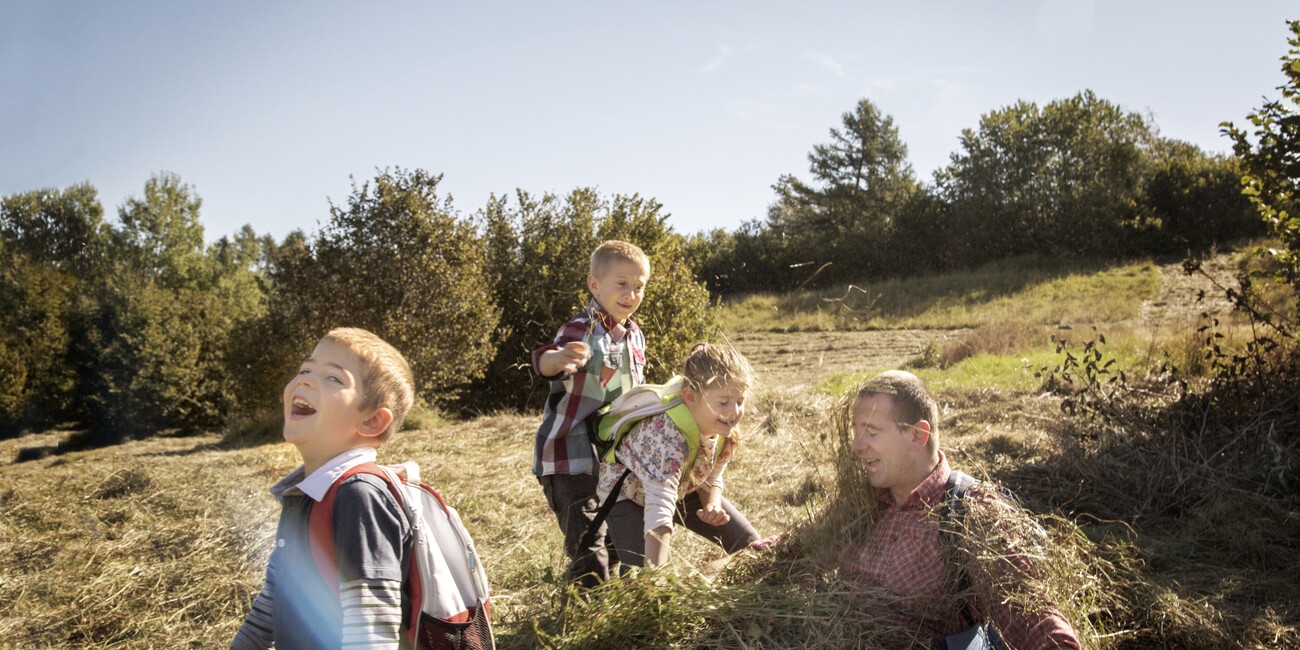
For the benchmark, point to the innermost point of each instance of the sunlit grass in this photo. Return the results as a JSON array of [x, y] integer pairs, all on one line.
[[162, 542], [995, 294]]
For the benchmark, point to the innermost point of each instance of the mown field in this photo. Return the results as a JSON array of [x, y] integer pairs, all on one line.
[[161, 543]]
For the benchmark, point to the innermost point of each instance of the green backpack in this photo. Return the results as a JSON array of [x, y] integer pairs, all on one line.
[[611, 422]]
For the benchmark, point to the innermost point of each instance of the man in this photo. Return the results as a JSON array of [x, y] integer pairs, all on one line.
[[895, 435]]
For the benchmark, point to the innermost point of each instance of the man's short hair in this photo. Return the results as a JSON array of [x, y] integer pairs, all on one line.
[[912, 400], [613, 251], [388, 381]]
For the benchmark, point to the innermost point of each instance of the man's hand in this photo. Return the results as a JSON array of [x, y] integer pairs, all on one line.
[[713, 515], [570, 358]]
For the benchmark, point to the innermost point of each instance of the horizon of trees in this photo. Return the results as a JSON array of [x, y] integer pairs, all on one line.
[[1079, 176], [136, 325]]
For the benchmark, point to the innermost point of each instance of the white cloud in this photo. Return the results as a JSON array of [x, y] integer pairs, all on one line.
[[764, 115], [719, 60], [1066, 21], [826, 61]]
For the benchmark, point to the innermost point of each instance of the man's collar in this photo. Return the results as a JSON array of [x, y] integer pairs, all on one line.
[[319, 482], [929, 492]]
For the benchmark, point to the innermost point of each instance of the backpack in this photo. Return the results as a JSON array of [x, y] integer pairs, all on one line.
[[611, 422], [952, 513], [446, 587]]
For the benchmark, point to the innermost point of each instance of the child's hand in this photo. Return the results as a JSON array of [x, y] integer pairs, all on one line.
[[713, 515], [573, 356]]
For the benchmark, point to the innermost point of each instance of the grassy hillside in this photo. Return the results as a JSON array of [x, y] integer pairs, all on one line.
[[1028, 291], [161, 543]]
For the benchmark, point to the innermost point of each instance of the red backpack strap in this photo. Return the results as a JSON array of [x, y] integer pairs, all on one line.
[[320, 532]]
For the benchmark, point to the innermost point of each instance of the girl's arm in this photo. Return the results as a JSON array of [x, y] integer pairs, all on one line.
[[655, 451], [711, 497], [656, 546], [711, 490]]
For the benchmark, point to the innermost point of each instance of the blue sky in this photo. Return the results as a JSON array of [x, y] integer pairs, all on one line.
[[268, 108]]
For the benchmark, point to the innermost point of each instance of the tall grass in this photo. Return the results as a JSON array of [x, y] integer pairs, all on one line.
[[161, 543]]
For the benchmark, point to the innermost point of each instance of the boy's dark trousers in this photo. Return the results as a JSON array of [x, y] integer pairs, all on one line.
[[573, 500]]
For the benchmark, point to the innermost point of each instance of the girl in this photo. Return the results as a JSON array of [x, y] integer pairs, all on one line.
[[658, 492]]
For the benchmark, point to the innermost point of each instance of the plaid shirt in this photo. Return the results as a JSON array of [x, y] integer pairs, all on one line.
[[562, 445], [905, 556]]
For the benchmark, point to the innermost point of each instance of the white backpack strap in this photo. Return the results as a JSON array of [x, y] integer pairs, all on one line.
[[408, 469], [420, 523], [402, 499]]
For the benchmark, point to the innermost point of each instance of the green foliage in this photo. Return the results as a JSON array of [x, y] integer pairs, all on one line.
[[537, 264], [1079, 176], [123, 330], [396, 261], [158, 358], [52, 245], [861, 180], [63, 229], [36, 304], [1065, 178], [160, 235], [1195, 199], [1272, 162], [538, 252]]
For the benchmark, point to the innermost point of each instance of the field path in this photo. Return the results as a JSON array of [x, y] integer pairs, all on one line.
[[1178, 291], [797, 360]]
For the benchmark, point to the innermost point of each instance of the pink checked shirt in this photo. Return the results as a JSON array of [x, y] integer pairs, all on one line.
[[905, 556]]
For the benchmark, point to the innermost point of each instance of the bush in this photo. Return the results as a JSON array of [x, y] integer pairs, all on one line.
[[538, 256], [155, 359], [35, 307], [396, 261]]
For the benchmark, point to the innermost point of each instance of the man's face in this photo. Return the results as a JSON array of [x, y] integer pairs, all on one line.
[[884, 446], [620, 289]]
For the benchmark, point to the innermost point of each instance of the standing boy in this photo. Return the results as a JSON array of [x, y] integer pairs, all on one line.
[[596, 356], [346, 400]]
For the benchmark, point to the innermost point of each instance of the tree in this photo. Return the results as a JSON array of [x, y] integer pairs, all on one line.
[[1066, 178], [62, 229], [396, 260], [1271, 163], [861, 180], [1195, 200], [161, 236], [52, 245], [151, 347]]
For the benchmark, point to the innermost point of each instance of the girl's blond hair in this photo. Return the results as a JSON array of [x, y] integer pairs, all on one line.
[[710, 366], [716, 365]]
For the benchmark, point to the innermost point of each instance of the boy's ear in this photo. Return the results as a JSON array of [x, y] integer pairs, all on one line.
[[592, 283], [376, 424], [920, 434]]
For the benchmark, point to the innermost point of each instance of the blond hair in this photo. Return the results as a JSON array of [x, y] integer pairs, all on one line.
[[710, 366], [612, 251], [912, 400], [387, 381]]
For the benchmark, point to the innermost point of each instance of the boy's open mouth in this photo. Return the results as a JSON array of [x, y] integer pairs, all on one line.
[[300, 406]]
